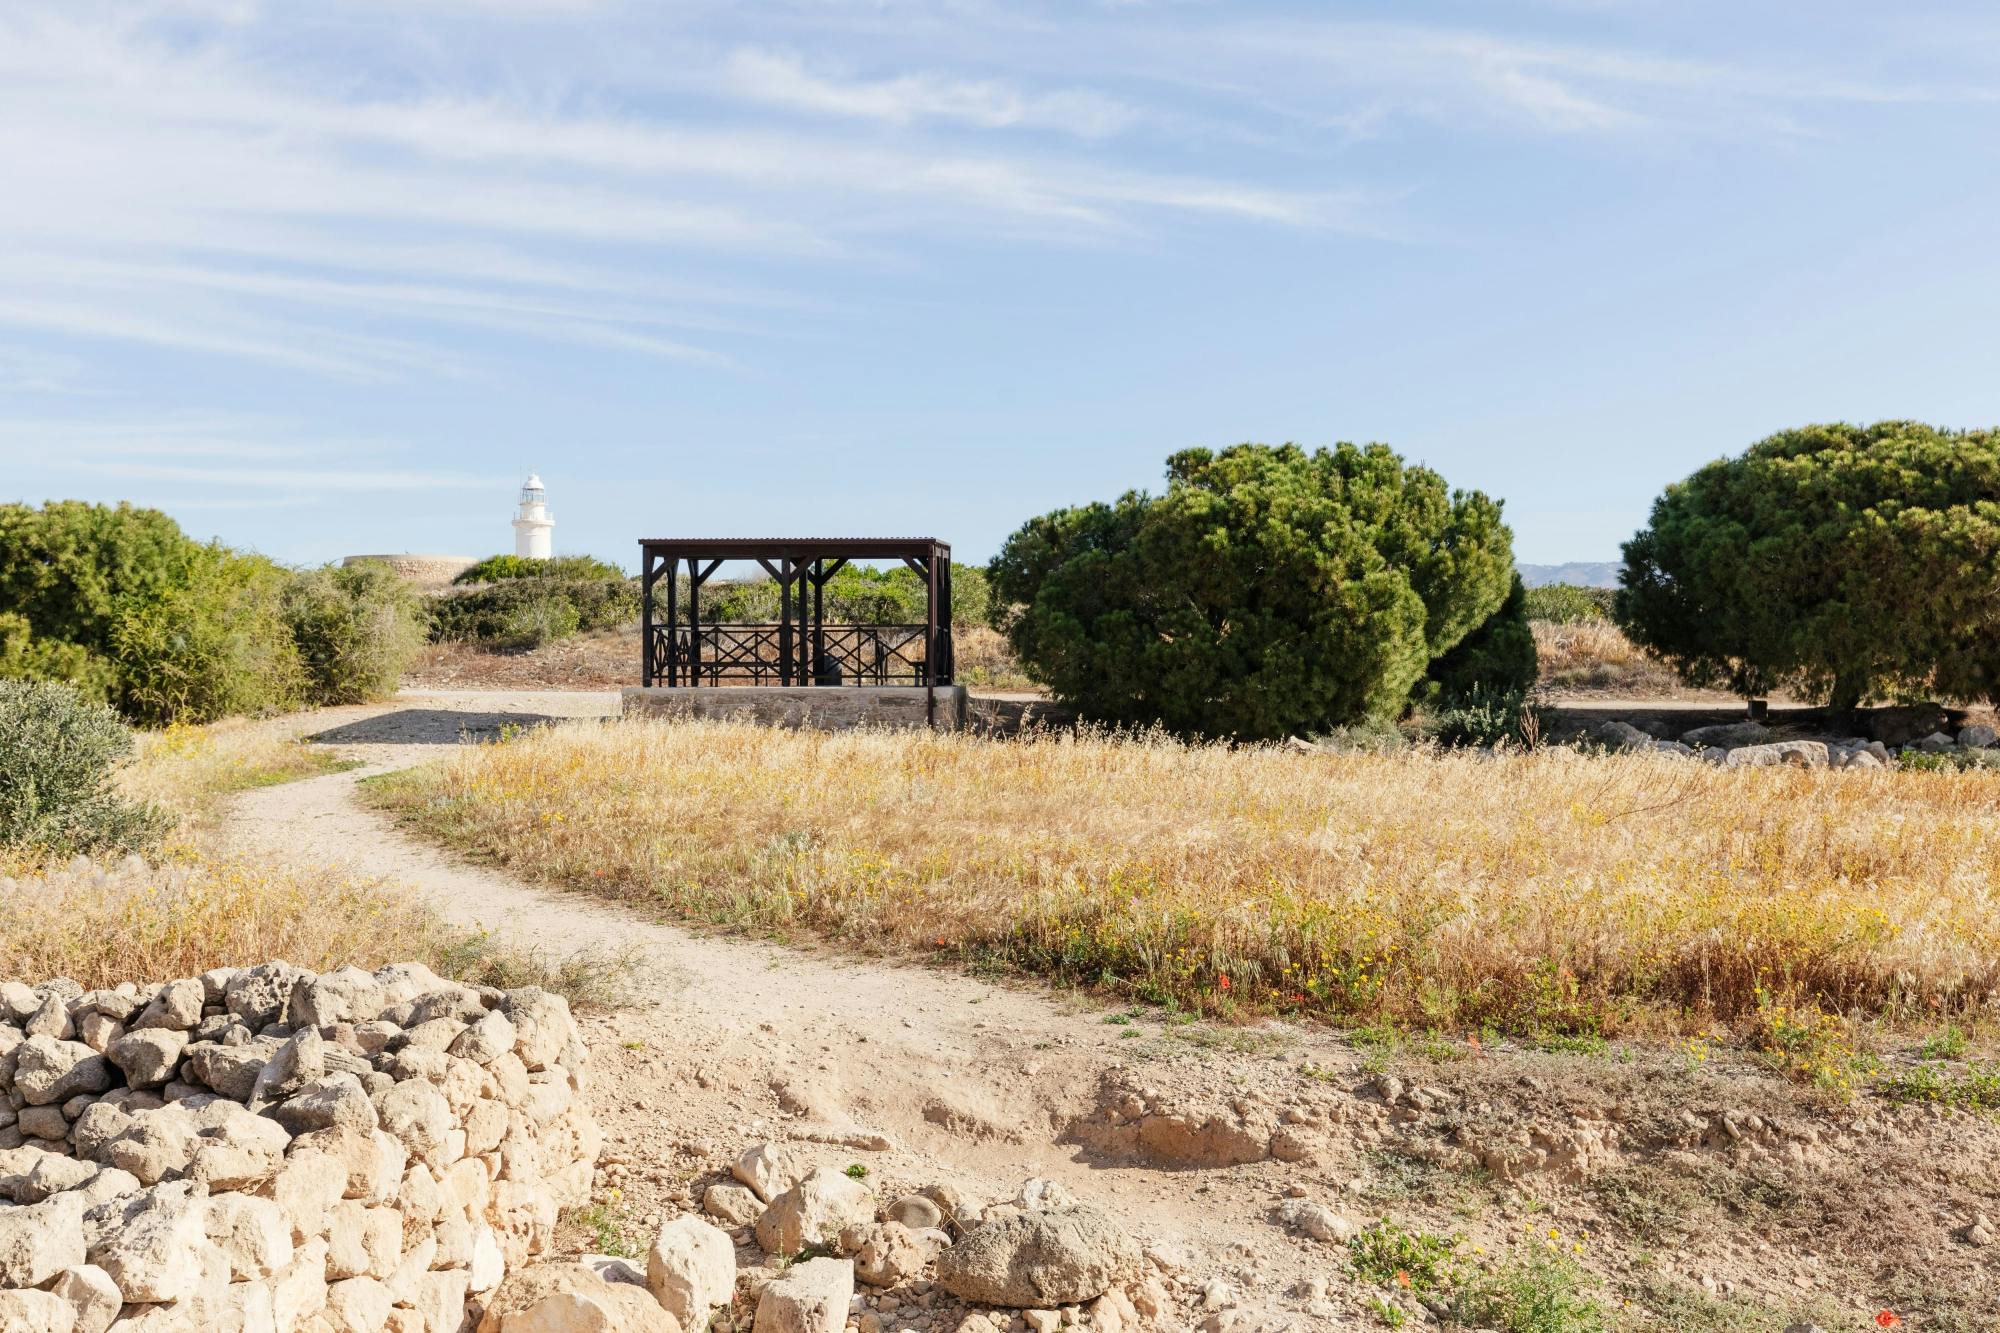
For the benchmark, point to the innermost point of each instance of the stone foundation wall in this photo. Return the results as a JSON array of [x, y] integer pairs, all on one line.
[[426, 571], [824, 707], [269, 1149]]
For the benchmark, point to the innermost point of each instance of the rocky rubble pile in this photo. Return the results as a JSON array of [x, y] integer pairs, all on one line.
[[265, 1148], [1754, 745], [919, 1259], [835, 1256]]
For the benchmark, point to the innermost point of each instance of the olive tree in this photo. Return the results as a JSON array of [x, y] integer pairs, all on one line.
[[1843, 562], [1270, 590]]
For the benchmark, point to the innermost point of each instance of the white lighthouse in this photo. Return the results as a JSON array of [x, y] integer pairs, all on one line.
[[534, 529]]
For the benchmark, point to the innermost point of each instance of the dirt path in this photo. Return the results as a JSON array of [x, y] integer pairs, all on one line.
[[1193, 1136], [732, 1040]]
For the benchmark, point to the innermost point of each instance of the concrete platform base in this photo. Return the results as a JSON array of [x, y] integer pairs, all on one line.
[[822, 707]]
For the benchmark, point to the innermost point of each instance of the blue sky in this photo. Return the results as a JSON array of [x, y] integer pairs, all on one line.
[[329, 278]]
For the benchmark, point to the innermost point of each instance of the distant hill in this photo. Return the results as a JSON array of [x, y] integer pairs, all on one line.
[[1586, 573]]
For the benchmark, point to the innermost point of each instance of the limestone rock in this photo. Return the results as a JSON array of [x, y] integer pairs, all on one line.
[[1315, 1220], [917, 1213], [299, 1291], [356, 1305], [1615, 735], [1038, 1259], [253, 1233], [39, 1241], [149, 1057], [570, 1298], [36, 1312], [769, 1169], [177, 1007], [51, 1175], [486, 1040], [1727, 735], [48, 1071], [814, 1212], [362, 1241], [690, 1269], [1795, 754], [542, 1025], [259, 995], [152, 1245], [345, 995], [50, 1019], [337, 1101], [888, 1254], [297, 1064], [439, 1300], [154, 1145], [305, 1189], [731, 1205], [811, 1297], [404, 982], [417, 1116], [231, 1070], [91, 1295]]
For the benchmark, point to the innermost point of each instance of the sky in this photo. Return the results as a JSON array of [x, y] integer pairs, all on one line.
[[331, 278]]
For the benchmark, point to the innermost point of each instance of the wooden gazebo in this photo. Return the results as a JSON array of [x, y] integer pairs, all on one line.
[[799, 648]]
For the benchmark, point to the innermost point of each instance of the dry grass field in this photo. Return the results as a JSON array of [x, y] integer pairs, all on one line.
[[1534, 893], [189, 770], [1595, 657]]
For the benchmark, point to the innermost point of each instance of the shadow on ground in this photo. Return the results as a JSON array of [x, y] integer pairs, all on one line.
[[431, 726]]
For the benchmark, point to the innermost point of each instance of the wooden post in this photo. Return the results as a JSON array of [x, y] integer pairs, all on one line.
[[784, 620], [694, 621], [645, 616]]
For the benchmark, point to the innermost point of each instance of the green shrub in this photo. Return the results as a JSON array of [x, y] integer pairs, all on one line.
[[500, 568], [118, 602], [25, 656], [526, 613], [1842, 562], [1569, 603], [70, 568], [1390, 1255], [1495, 661], [1477, 718], [57, 753], [1269, 591], [1539, 1289], [217, 645], [356, 628]]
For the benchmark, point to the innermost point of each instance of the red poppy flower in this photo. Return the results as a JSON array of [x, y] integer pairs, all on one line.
[[1888, 1319], [1402, 1278], [1223, 981]]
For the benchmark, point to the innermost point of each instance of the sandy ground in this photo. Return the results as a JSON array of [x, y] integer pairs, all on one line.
[[1733, 1194]]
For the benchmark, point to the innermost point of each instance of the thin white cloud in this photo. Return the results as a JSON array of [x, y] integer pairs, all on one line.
[[1464, 76], [58, 441], [302, 479], [782, 79], [150, 166]]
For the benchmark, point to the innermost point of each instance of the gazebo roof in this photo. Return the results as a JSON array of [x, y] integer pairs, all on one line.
[[753, 548]]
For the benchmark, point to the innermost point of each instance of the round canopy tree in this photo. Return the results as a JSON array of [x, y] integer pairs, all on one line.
[[1843, 562], [1269, 591]]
